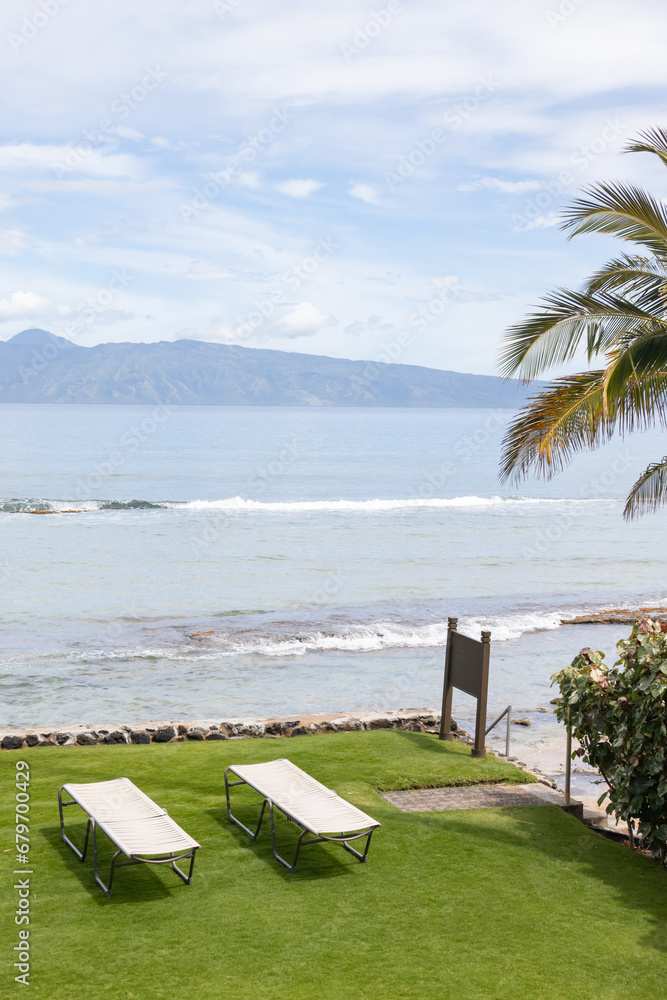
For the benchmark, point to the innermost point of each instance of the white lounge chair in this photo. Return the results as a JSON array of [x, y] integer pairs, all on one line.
[[132, 822], [314, 808]]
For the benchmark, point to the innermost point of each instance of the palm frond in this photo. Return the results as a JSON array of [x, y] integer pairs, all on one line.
[[636, 377], [650, 140], [649, 492], [619, 210], [643, 279], [554, 335], [564, 419]]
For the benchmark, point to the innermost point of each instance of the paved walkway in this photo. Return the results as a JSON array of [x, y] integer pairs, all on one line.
[[473, 797]]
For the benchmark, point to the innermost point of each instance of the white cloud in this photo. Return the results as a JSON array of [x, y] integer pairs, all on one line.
[[299, 188], [66, 161], [541, 222], [249, 179], [13, 242], [365, 192], [303, 320], [128, 133], [24, 304], [502, 187]]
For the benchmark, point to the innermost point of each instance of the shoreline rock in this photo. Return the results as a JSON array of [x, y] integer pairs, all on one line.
[[168, 731], [615, 616]]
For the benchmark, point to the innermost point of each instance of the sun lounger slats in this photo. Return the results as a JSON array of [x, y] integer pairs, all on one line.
[[318, 810], [135, 824]]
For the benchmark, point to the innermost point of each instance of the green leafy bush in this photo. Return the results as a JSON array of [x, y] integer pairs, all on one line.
[[618, 715]]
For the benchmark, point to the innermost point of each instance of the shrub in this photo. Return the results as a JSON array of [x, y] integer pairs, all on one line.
[[618, 715]]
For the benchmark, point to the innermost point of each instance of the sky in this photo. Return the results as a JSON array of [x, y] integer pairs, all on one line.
[[364, 180]]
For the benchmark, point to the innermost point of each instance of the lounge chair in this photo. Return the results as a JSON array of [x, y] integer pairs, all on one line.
[[132, 822], [313, 807]]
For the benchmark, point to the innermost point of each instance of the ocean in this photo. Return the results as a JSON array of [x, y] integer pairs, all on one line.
[[206, 562]]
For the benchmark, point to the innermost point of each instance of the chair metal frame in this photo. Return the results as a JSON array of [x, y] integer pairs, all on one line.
[[343, 838], [134, 859]]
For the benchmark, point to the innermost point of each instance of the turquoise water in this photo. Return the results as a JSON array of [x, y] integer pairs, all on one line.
[[323, 549]]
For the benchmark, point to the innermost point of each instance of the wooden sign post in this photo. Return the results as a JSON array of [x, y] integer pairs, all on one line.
[[466, 668]]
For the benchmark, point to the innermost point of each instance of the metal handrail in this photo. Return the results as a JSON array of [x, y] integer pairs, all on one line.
[[506, 711]]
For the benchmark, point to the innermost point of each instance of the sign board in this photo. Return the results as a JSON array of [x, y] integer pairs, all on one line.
[[466, 668]]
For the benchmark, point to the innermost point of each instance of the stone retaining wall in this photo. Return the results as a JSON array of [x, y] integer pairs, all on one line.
[[414, 720]]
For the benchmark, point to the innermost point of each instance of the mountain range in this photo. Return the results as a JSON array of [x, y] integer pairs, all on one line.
[[39, 367]]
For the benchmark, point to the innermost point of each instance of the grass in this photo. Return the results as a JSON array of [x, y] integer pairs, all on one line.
[[487, 904]]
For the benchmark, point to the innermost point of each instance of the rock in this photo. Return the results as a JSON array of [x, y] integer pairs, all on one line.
[[195, 734], [31, 740], [182, 730], [299, 731], [217, 736], [46, 743], [275, 729], [413, 727], [140, 737], [453, 727], [86, 739], [350, 725], [12, 743], [543, 710], [114, 738], [379, 724], [522, 722], [165, 735], [62, 738]]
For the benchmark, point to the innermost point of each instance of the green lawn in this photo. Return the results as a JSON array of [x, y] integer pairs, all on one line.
[[474, 905]]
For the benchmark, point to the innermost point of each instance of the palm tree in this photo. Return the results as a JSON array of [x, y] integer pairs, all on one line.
[[620, 318]]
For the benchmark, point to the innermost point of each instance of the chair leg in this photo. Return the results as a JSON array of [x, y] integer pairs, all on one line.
[[186, 878], [288, 866], [81, 855], [105, 889], [362, 857], [253, 836]]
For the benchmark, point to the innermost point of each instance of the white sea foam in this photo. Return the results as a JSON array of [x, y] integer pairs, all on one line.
[[240, 504], [243, 505], [369, 638]]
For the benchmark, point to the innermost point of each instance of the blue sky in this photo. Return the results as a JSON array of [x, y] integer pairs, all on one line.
[[361, 180]]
